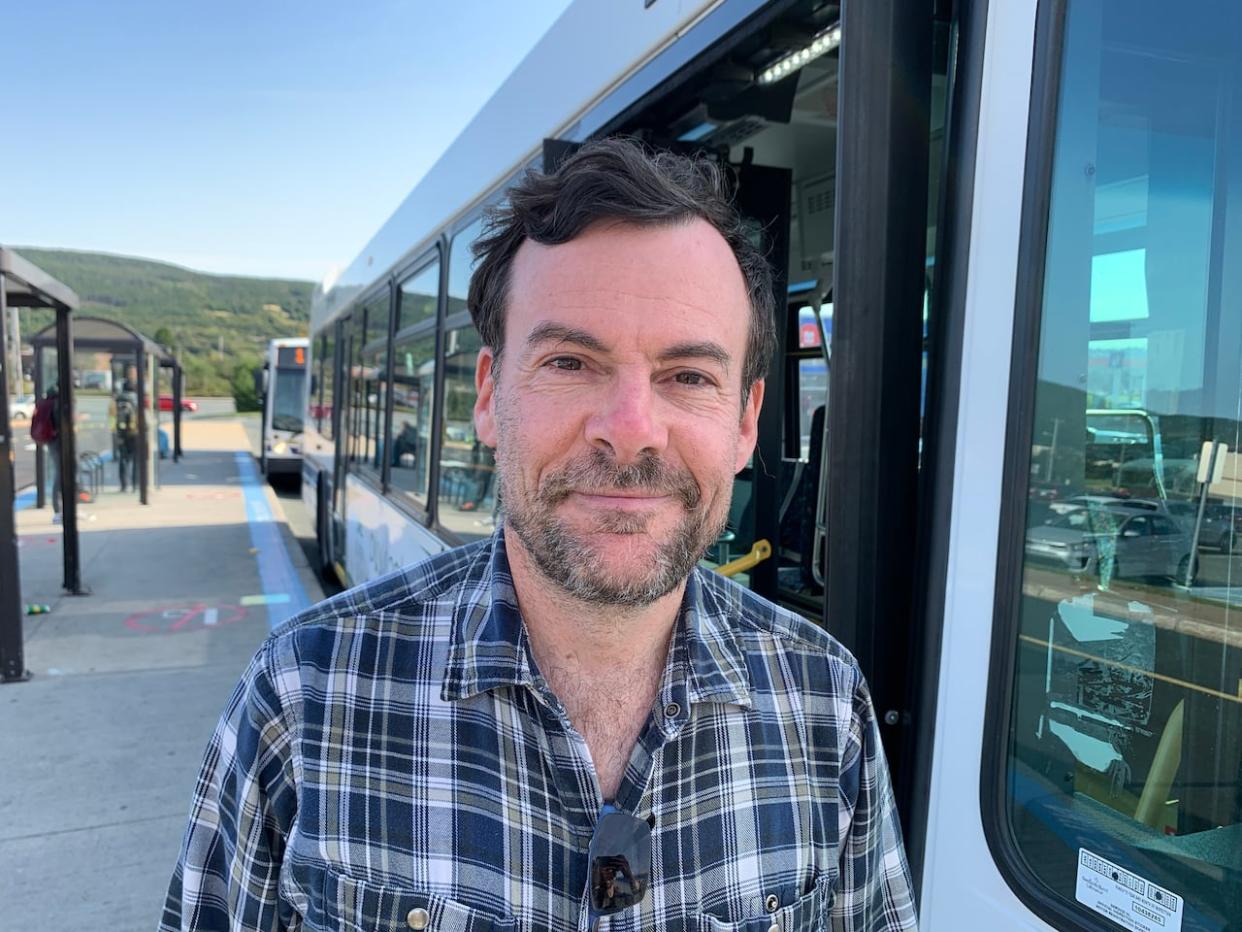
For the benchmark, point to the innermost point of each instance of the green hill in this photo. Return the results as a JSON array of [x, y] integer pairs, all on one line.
[[217, 321]]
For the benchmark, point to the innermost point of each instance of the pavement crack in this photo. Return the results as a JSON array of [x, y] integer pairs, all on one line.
[[91, 828]]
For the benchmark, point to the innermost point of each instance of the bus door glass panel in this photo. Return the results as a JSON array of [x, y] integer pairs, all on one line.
[[342, 331], [468, 492], [414, 385], [356, 412], [314, 393], [373, 394], [467, 495], [1126, 724], [328, 386]]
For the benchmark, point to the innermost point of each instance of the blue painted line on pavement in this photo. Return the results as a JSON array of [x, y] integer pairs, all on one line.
[[28, 498], [276, 572]]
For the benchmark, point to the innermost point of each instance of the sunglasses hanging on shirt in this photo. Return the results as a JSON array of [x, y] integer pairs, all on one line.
[[620, 857]]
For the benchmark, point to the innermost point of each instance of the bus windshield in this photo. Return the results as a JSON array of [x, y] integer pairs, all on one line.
[[287, 400]]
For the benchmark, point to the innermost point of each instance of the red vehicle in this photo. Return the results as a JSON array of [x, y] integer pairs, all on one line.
[[166, 404]]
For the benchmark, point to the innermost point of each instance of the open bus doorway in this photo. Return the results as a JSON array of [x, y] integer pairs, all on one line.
[[778, 134]]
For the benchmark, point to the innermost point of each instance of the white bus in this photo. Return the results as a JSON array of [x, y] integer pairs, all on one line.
[[283, 388], [1059, 184]]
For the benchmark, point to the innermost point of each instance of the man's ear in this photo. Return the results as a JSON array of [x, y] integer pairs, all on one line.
[[485, 373], [748, 435]]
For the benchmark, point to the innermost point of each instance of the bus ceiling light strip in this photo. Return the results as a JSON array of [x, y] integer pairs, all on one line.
[[821, 45]]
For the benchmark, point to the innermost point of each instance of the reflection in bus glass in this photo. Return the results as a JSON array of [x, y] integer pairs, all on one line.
[[1126, 724]]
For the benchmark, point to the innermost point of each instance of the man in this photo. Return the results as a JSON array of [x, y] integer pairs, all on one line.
[[570, 725], [125, 435]]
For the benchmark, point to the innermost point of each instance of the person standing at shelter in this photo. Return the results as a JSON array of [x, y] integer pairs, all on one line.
[[571, 723], [124, 418], [45, 431]]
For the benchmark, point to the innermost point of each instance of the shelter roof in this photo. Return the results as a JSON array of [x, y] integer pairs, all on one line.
[[27, 285], [99, 333]]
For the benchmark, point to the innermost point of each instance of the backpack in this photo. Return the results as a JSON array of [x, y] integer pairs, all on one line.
[[126, 416], [43, 424]]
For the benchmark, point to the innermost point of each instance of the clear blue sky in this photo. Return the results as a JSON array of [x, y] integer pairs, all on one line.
[[267, 137]]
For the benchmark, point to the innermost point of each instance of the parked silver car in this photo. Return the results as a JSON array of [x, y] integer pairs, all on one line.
[[1140, 543], [21, 408]]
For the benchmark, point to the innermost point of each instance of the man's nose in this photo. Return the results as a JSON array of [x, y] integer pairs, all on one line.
[[627, 422]]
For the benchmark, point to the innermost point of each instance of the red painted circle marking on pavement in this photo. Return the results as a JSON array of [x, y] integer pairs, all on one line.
[[186, 617]]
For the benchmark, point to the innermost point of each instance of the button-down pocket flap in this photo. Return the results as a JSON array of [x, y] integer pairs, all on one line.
[[365, 907], [808, 913]]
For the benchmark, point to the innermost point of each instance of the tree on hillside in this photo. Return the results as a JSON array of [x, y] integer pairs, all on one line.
[[245, 398]]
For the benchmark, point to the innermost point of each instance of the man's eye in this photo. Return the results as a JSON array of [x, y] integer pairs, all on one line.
[[692, 378], [565, 363]]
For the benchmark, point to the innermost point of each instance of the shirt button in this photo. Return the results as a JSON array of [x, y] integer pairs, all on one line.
[[771, 904], [672, 710], [417, 918]]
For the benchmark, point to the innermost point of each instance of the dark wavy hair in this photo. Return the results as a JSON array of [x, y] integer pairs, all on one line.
[[617, 179]]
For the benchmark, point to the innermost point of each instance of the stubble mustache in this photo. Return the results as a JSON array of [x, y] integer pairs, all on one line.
[[596, 473]]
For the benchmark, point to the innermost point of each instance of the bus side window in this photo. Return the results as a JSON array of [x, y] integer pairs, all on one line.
[[414, 384], [1124, 740]]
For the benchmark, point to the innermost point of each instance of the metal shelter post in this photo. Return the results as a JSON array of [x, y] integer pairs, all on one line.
[[66, 436], [176, 381], [144, 448], [12, 655], [40, 459]]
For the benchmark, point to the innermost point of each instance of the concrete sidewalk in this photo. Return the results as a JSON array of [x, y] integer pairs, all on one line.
[[101, 747]]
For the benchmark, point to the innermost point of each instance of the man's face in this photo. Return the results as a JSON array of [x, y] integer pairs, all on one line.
[[617, 412]]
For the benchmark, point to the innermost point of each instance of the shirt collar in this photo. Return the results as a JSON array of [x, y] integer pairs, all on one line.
[[489, 648]]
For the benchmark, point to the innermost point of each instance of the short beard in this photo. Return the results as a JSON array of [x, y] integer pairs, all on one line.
[[569, 561]]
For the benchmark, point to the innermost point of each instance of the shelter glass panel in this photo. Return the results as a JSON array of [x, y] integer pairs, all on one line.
[[1123, 776]]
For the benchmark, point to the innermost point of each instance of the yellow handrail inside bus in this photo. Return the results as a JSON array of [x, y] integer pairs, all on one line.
[[759, 552]]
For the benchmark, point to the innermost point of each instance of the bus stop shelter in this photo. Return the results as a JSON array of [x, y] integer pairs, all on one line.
[[96, 334], [23, 284]]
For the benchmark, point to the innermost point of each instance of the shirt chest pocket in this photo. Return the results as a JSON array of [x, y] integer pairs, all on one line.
[[354, 906], [808, 913]]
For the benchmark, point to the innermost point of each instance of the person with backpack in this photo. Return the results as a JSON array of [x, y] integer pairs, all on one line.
[[45, 431], [125, 435]]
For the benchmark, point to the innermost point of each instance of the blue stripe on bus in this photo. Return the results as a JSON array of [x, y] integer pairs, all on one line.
[[276, 573]]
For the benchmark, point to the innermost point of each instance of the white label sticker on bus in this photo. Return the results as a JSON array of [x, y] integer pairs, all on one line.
[[1125, 897]]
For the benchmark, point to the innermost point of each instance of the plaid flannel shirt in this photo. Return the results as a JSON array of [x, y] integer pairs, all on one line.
[[395, 750]]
